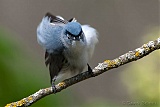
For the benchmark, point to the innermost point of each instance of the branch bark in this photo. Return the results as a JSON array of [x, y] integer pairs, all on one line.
[[101, 68]]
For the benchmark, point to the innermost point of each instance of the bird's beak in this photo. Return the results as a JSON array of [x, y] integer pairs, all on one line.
[[77, 38]]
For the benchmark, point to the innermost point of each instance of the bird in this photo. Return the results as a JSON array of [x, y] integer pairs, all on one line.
[[68, 46]]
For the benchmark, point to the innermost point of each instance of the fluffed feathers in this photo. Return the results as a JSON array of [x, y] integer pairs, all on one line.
[[91, 37]]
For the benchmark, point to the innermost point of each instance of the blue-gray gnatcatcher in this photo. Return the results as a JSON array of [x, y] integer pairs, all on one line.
[[68, 44]]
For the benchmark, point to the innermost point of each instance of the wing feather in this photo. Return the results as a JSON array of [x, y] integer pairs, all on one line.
[[48, 35], [55, 63], [56, 19]]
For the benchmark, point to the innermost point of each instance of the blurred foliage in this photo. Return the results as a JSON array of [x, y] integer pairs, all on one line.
[[142, 78], [21, 75]]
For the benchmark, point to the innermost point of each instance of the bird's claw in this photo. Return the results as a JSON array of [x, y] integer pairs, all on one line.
[[90, 70], [53, 87]]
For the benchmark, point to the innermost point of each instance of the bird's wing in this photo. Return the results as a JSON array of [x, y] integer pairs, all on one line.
[[91, 38], [49, 33], [55, 62], [56, 19], [72, 20], [49, 37], [59, 19]]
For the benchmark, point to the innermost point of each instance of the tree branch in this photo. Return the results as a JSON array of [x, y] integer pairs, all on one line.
[[101, 68]]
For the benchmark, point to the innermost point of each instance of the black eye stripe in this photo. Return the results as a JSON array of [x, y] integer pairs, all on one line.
[[69, 33]]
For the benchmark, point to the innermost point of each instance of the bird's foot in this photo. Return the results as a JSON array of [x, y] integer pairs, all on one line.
[[90, 70], [53, 87]]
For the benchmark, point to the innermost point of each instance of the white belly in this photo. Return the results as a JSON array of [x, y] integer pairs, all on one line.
[[77, 58]]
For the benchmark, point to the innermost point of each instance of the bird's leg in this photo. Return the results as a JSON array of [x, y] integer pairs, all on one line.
[[53, 86], [90, 70]]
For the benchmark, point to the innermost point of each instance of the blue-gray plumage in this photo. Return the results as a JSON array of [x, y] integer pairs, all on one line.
[[74, 28], [68, 44]]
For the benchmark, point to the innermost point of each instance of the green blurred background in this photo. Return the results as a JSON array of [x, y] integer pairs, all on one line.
[[123, 25]]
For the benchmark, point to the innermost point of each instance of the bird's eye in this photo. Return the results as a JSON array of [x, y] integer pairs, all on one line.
[[69, 36]]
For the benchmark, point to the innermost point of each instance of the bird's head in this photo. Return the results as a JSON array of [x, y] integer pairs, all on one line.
[[73, 31]]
